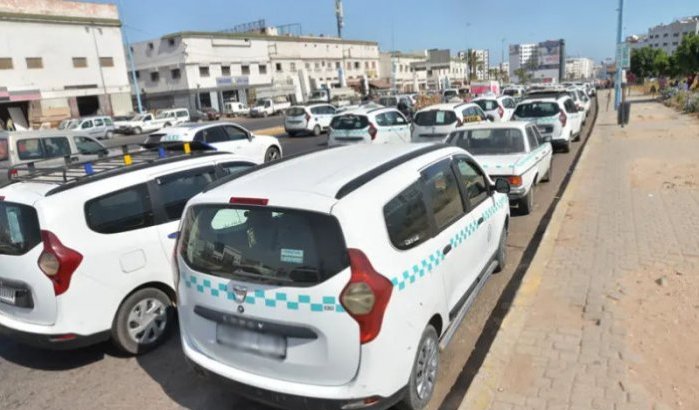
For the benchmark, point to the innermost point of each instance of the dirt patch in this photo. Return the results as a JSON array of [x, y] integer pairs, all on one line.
[[662, 307], [654, 175]]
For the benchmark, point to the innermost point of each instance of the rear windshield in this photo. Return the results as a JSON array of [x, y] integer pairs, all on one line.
[[489, 141], [4, 152], [435, 117], [511, 93], [349, 122], [19, 229], [388, 101], [295, 112], [263, 245], [487, 105], [536, 110]]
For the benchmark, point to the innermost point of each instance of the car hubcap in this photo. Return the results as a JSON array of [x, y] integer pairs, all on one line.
[[273, 155], [147, 321], [426, 369]]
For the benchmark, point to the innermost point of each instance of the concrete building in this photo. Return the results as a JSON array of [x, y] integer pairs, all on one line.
[[205, 69], [544, 61], [483, 68], [521, 55], [398, 67], [61, 59], [579, 68], [667, 36], [441, 70]]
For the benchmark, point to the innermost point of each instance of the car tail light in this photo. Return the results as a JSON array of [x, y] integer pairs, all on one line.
[[372, 131], [501, 112], [249, 201], [563, 118], [366, 296], [12, 173], [58, 262], [515, 180]]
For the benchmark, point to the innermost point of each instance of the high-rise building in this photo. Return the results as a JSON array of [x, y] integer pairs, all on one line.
[[579, 68], [483, 63], [544, 61], [521, 55], [666, 36]]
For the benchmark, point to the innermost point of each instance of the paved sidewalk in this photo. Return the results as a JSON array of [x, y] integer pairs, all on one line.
[[607, 314]]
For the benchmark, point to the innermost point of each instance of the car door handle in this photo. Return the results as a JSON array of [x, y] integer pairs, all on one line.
[[480, 221], [446, 249]]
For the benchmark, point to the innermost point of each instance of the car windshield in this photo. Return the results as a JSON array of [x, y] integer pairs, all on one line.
[[435, 117], [163, 114], [296, 111], [273, 246], [349, 122], [487, 105], [388, 101], [536, 110], [511, 93], [19, 228], [138, 118], [260, 103], [73, 125], [493, 141]]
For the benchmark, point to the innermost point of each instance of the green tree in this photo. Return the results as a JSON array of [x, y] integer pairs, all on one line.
[[474, 64], [523, 74], [661, 64], [686, 57], [643, 61]]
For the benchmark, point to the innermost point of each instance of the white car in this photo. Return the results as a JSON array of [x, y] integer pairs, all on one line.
[[138, 124], [514, 150], [584, 103], [434, 123], [558, 119], [86, 253], [330, 280], [369, 125], [305, 119], [99, 127], [224, 136], [235, 108], [170, 118], [499, 109]]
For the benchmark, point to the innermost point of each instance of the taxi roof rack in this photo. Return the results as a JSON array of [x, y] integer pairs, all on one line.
[[73, 173]]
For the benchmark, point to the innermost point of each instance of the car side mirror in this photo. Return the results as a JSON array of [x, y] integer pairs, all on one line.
[[490, 118], [502, 186]]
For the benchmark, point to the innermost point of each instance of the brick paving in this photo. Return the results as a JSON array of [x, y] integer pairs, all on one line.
[[565, 345]]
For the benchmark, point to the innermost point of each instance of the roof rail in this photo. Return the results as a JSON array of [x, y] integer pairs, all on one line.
[[357, 182]]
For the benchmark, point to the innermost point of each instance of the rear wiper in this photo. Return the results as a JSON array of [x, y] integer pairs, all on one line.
[[240, 272]]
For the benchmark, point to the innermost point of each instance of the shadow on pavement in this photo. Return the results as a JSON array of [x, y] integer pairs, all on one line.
[[54, 360], [167, 366]]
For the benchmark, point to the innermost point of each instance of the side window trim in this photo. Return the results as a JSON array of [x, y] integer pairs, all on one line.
[[432, 226], [462, 188]]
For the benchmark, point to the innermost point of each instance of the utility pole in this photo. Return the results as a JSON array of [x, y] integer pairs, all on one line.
[[340, 15], [132, 64], [617, 85], [108, 109], [502, 58]]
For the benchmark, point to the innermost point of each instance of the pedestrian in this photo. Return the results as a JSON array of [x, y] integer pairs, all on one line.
[[10, 125], [652, 91], [609, 98]]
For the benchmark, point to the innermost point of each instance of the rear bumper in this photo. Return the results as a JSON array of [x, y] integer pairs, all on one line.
[[293, 402], [64, 341]]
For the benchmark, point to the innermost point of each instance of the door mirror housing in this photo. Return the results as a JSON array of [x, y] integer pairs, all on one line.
[[502, 186]]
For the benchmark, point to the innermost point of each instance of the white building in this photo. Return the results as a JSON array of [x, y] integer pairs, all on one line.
[[579, 68], [483, 67], [441, 70], [61, 59], [522, 55], [667, 36], [205, 69], [398, 67]]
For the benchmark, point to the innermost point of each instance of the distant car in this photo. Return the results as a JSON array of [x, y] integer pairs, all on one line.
[[434, 123], [67, 123], [584, 103], [557, 119], [235, 108], [268, 106], [513, 150], [211, 114], [99, 127], [403, 102], [224, 136], [308, 119], [499, 108], [171, 117], [369, 125], [138, 124]]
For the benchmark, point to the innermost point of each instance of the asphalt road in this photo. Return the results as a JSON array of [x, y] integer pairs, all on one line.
[[98, 377]]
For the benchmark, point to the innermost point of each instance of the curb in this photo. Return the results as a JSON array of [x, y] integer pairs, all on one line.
[[483, 388]]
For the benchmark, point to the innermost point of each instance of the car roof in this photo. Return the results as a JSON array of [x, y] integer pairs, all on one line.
[[448, 106], [41, 134], [539, 100], [494, 125], [191, 126]]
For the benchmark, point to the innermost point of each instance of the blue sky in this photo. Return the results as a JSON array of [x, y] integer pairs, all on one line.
[[588, 26]]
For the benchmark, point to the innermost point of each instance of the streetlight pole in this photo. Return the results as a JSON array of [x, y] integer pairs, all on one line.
[[502, 57], [132, 64], [617, 85]]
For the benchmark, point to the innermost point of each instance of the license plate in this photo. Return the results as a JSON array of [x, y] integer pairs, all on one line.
[[7, 295], [262, 344]]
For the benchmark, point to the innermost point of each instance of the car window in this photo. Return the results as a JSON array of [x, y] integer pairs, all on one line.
[[473, 114], [56, 147], [406, 218], [569, 105], [537, 110], [30, 149], [108, 121], [382, 120], [19, 228], [531, 137], [317, 110], [86, 125], [215, 134], [349, 122], [148, 118], [398, 118], [487, 105], [489, 141], [4, 150], [474, 181], [443, 194], [435, 118], [539, 137], [234, 133], [329, 109], [87, 145], [295, 111], [98, 122], [182, 113], [122, 211], [177, 189], [234, 167]]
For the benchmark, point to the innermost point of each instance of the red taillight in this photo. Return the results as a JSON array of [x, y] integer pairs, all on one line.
[[249, 201], [58, 262], [563, 118], [372, 131], [501, 112], [366, 296], [13, 173]]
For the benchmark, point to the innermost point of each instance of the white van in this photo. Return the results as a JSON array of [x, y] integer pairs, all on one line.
[[99, 127]]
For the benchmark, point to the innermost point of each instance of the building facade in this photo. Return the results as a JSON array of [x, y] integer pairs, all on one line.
[[397, 69], [521, 55], [206, 69], [667, 36], [441, 70], [483, 67], [544, 61], [61, 59], [579, 68]]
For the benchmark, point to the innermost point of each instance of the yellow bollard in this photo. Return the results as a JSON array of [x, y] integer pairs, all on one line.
[[128, 160], [187, 148]]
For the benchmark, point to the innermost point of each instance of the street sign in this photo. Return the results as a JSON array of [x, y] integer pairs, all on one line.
[[623, 55]]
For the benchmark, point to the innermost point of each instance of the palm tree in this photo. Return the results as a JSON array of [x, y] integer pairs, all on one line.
[[474, 62]]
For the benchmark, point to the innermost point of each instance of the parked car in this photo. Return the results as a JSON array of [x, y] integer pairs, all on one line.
[[224, 136], [235, 108], [87, 257], [583, 103], [211, 114], [99, 127], [514, 150], [499, 108], [558, 119], [434, 123], [330, 280], [67, 123], [403, 102], [138, 124], [369, 126], [268, 106], [516, 92], [171, 117], [305, 119], [51, 147]]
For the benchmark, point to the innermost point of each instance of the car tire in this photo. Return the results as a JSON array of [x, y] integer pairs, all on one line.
[[109, 135], [547, 177], [272, 154], [137, 131], [317, 130], [167, 124], [423, 374], [577, 137], [526, 204], [501, 255], [566, 146], [150, 308], [291, 134]]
